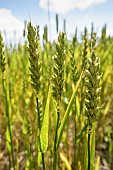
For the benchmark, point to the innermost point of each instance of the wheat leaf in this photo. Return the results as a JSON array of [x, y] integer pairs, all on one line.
[[45, 125], [63, 123]]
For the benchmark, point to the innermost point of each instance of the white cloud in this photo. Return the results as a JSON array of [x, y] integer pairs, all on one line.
[[64, 6], [11, 25]]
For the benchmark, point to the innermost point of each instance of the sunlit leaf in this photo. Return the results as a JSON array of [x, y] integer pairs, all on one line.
[[45, 125]]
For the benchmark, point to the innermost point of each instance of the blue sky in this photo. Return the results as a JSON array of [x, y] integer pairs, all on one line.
[[78, 13]]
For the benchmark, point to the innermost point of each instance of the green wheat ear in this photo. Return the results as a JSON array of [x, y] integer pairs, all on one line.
[[85, 50], [35, 64], [58, 77], [2, 58], [35, 67], [57, 85], [57, 23], [74, 69], [92, 80]]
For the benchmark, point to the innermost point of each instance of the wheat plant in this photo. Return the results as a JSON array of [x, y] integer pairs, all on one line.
[[92, 80], [5, 85]]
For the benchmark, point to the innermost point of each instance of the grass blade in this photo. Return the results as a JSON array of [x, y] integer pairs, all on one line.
[[63, 123], [66, 162], [45, 125]]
